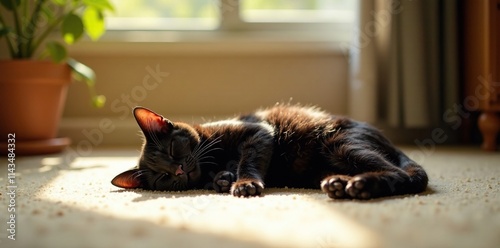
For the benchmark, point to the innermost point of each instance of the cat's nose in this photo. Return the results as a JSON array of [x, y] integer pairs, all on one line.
[[179, 170]]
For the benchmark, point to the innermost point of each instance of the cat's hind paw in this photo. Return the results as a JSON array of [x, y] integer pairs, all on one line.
[[362, 187], [247, 187], [335, 186], [223, 181]]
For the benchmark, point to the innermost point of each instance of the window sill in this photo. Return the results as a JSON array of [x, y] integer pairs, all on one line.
[[152, 43]]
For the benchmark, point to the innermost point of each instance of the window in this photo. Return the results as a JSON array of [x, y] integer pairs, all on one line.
[[163, 15], [229, 14], [308, 11]]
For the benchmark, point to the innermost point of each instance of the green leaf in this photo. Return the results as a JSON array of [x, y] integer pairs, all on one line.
[[93, 21], [99, 4], [57, 51], [82, 72], [98, 101], [8, 4], [72, 28]]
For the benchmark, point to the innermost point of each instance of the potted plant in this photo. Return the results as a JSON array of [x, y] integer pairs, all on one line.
[[34, 81]]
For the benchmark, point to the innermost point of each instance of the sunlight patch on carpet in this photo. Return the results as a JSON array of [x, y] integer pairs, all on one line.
[[283, 217]]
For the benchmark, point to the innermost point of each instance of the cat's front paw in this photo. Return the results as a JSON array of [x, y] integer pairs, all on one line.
[[223, 181], [247, 187], [335, 186]]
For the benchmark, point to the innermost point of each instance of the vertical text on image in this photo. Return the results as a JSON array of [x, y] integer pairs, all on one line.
[[11, 186]]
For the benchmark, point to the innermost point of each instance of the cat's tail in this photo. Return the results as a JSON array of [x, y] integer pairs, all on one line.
[[418, 178]]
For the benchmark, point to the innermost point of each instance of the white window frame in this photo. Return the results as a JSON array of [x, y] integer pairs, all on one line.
[[232, 36]]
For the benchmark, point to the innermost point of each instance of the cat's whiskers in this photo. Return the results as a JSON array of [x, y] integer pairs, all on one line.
[[201, 150], [206, 157], [178, 186], [138, 173], [162, 175], [200, 160], [209, 162], [207, 151], [207, 148], [203, 157], [203, 145]]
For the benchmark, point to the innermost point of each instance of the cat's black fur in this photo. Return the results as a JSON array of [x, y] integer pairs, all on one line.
[[286, 145]]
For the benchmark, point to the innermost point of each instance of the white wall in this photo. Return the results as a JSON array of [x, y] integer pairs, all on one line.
[[204, 80]]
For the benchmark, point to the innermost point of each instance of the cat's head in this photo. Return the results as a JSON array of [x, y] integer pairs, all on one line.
[[167, 160]]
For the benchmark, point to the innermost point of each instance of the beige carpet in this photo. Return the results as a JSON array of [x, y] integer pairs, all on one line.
[[72, 204]]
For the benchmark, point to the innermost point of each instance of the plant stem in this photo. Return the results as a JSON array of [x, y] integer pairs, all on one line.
[[51, 27], [26, 8], [32, 27], [19, 30], [45, 33], [7, 38]]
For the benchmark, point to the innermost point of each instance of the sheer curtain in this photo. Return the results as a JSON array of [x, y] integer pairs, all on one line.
[[403, 62]]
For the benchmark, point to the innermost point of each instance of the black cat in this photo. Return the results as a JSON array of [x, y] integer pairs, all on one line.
[[286, 145]]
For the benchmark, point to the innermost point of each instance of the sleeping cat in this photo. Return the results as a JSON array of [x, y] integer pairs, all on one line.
[[283, 146]]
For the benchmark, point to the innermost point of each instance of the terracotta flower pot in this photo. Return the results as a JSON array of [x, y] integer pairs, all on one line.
[[33, 94]]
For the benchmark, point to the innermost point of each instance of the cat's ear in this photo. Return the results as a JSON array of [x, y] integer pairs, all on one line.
[[150, 121], [128, 180]]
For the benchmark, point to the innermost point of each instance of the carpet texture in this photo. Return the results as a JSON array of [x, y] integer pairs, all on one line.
[[67, 201]]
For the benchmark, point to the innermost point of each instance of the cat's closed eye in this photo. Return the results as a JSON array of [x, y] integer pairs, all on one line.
[[179, 149]]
